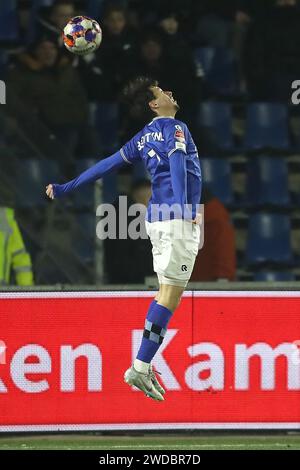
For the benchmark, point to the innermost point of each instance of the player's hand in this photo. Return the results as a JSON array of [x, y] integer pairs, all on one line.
[[197, 220], [49, 191]]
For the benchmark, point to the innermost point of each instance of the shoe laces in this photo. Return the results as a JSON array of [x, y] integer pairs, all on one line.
[[153, 372]]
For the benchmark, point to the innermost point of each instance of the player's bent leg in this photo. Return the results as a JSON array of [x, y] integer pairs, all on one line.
[[155, 329], [173, 264], [157, 319], [142, 374], [153, 372], [169, 296]]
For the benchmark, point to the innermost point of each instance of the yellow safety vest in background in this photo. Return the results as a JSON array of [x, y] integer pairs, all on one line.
[[13, 254]]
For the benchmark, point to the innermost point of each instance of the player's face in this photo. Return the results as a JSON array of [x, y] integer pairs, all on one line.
[[164, 101]]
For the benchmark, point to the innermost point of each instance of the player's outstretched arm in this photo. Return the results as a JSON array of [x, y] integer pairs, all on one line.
[[97, 171]]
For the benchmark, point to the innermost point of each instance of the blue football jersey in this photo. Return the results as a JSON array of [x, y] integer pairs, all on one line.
[[155, 144]]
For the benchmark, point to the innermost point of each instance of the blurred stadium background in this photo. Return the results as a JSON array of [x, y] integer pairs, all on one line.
[[230, 65]]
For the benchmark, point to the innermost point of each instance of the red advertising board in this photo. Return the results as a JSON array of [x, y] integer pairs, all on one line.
[[229, 360]]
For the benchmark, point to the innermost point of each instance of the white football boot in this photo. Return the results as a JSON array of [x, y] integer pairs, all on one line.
[[155, 382], [143, 382]]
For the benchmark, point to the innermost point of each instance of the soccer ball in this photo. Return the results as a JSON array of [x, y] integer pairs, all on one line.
[[82, 35]]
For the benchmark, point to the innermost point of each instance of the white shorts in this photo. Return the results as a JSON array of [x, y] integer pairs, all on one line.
[[175, 245]]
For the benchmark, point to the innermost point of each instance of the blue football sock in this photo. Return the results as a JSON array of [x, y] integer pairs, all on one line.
[[153, 303], [156, 323]]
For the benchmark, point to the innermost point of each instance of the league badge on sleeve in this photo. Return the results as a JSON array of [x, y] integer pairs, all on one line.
[[180, 143], [179, 134]]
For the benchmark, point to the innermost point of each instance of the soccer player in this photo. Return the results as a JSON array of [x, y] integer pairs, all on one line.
[[167, 149]]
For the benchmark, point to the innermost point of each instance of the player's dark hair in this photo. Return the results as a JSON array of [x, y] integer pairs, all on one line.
[[137, 95]]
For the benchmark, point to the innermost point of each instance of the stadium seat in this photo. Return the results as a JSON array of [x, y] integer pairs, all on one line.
[[271, 276], [267, 127], [83, 236], [220, 70], [224, 74], [216, 175], [105, 119], [267, 182], [8, 20], [215, 121], [205, 56], [269, 239], [32, 178]]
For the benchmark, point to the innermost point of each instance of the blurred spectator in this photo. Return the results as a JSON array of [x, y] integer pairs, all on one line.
[[51, 89], [175, 42], [177, 74], [217, 259], [13, 254], [105, 71], [252, 10], [150, 13], [152, 60], [215, 20], [272, 52], [24, 18], [123, 256], [169, 23], [247, 11], [52, 23]]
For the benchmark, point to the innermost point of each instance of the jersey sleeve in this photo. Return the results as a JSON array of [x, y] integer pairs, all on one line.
[[130, 151], [174, 134], [100, 169]]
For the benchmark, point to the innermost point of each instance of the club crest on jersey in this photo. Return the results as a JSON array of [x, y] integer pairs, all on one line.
[[179, 134]]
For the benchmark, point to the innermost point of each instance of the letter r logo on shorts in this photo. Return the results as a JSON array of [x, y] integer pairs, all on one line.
[[184, 267]]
